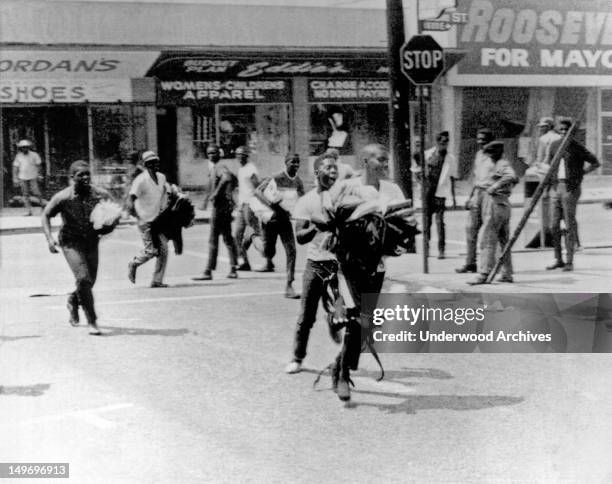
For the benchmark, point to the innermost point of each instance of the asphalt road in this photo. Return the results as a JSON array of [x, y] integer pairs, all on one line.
[[187, 384]]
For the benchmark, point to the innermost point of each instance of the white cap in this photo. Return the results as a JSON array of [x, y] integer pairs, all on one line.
[[24, 143], [149, 156]]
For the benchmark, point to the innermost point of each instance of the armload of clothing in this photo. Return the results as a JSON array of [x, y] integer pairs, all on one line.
[[105, 216], [365, 229], [179, 214]]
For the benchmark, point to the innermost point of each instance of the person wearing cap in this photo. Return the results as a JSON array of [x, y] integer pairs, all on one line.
[[290, 187], [247, 225], [496, 213], [481, 171], [441, 169], [147, 198], [77, 238], [565, 190], [221, 195], [26, 168], [545, 139]]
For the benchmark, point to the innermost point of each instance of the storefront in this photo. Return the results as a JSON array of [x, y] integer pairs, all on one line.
[[531, 58], [72, 104], [274, 103]]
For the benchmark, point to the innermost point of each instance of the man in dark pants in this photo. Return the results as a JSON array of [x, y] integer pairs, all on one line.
[[565, 192], [77, 239], [481, 172], [220, 195], [289, 189], [311, 229]]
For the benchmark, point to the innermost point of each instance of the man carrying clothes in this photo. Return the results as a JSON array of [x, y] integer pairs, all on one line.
[[247, 225], [221, 195], [375, 160], [25, 173], [565, 192], [77, 238], [496, 213], [290, 187], [441, 168], [148, 197], [311, 228], [483, 165]]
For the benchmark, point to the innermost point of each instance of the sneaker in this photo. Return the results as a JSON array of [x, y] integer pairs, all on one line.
[[506, 278], [293, 367], [557, 265], [569, 267], [207, 276], [482, 279], [466, 268], [343, 389], [267, 267], [73, 309], [232, 274], [245, 266], [132, 272], [158, 284], [94, 330], [291, 294]]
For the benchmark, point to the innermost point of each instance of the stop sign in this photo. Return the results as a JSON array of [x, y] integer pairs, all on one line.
[[422, 59]]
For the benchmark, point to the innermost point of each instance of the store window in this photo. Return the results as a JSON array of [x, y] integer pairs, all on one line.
[[204, 131], [347, 127], [264, 128]]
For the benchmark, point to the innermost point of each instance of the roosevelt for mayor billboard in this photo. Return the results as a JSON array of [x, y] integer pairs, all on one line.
[[535, 38]]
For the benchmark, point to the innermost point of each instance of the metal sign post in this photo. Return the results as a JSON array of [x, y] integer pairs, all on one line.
[[424, 180]]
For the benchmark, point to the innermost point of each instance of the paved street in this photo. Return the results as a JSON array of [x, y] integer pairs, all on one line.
[[187, 383]]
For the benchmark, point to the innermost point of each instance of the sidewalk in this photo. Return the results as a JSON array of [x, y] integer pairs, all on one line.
[[13, 221]]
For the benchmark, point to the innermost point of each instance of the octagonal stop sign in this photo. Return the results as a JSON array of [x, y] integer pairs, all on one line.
[[422, 59]]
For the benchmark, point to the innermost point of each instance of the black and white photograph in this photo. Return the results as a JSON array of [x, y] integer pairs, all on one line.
[[306, 241]]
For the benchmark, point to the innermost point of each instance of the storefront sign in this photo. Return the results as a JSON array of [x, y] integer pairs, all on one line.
[[169, 66], [52, 64], [348, 90], [534, 39], [65, 90], [231, 91]]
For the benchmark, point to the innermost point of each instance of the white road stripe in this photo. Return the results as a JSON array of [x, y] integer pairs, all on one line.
[[180, 298]]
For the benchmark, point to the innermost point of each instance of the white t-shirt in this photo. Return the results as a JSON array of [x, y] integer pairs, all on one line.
[[387, 192], [150, 196], [245, 184], [308, 207], [483, 166], [28, 165]]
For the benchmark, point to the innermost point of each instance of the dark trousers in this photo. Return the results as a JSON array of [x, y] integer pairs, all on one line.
[[247, 227], [564, 201], [83, 262], [315, 273], [354, 334], [280, 225], [436, 207], [221, 225]]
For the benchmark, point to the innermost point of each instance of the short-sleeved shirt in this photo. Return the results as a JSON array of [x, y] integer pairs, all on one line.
[[27, 164], [483, 167], [290, 188], [308, 207], [77, 230], [245, 182], [387, 192], [151, 197]]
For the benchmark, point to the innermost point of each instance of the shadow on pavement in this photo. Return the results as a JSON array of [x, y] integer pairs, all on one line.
[[116, 331], [412, 404], [397, 375], [25, 391], [17, 338]]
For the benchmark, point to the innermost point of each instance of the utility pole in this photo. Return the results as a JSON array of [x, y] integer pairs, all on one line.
[[399, 107]]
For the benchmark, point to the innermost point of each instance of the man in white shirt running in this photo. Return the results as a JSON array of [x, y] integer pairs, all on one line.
[[148, 197]]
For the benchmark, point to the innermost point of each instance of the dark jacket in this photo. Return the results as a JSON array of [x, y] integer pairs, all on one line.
[[575, 156]]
